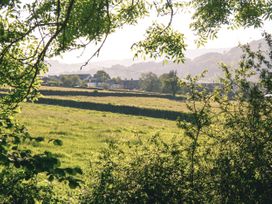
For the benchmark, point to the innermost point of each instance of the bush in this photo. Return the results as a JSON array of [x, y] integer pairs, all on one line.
[[146, 172], [230, 138], [18, 187], [223, 156], [25, 177]]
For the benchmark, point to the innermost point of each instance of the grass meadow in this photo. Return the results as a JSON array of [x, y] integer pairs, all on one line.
[[114, 98], [84, 132], [152, 103]]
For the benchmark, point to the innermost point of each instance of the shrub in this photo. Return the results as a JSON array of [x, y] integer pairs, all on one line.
[[24, 175], [223, 156], [230, 138], [16, 186], [146, 172]]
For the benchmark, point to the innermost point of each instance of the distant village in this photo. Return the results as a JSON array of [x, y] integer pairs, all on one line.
[[100, 80], [167, 83], [130, 84]]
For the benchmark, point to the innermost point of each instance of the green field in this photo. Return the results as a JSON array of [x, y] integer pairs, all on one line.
[[85, 131], [153, 103], [115, 99]]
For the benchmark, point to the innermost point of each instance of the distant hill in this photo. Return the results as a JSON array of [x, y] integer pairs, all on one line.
[[208, 60]]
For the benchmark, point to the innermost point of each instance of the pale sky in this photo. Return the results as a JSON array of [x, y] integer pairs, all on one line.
[[118, 45]]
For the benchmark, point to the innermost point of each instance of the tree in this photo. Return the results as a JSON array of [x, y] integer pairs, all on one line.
[[70, 80], [49, 28], [51, 81], [101, 76], [210, 16], [170, 82], [149, 82], [117, 80], [224, 155], [238, 132]]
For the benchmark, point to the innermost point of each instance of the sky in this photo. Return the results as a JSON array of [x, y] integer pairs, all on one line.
[[117, 46]]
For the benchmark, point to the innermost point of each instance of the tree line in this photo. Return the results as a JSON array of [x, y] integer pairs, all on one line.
[[150, 82], [77, 80], [166, 83]]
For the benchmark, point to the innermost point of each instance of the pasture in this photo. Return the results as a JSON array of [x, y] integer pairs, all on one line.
[[84, 132]]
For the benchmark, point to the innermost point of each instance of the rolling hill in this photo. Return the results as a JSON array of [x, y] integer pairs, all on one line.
[[126, 70]]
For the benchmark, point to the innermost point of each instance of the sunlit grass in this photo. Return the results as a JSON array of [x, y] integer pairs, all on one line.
[[84, 132], [143, 102]]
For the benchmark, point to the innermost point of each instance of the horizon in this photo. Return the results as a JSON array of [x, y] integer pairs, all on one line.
[[118, 44]]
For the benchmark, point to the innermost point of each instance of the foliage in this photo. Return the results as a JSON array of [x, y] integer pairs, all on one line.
[[223, 156], [16, 186], [170, 83], [29, 165], [146, 172], [162, 42], [210, 16], [101, 76], [116, 80], [233, 143], [149, 82], [245, 161], [21, 64], [70, 80]]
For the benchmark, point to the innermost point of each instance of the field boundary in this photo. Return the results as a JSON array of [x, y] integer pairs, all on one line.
[[105, 94], [122, 109]]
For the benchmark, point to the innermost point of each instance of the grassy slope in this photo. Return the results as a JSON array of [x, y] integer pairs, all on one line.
[[84, 132], [145, 102]]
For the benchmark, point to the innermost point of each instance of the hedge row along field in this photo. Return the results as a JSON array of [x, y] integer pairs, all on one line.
[[163, 107], [110, 93], [155, 113], [59, 91]]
